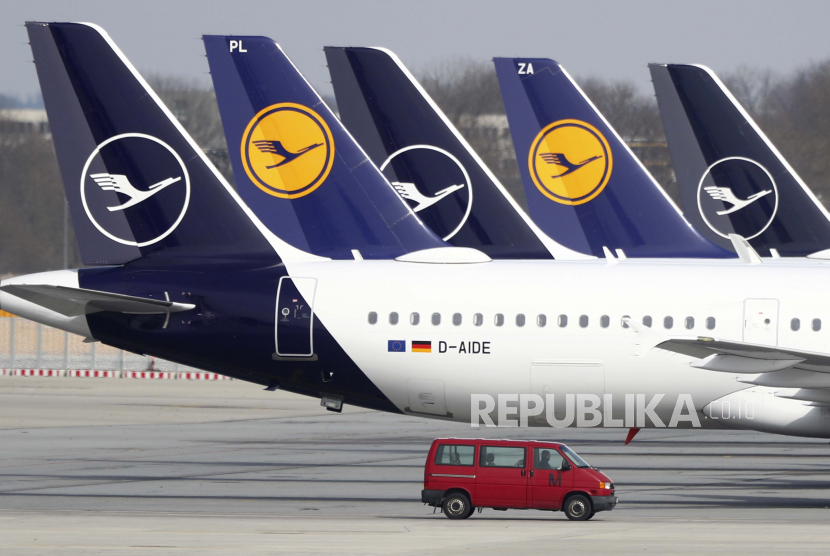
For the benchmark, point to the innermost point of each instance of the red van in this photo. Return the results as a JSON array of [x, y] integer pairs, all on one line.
[[464, 474]]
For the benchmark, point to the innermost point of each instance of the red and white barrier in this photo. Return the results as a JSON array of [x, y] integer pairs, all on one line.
[[156, 375], [88, 373], [203, 376], [37, 372]]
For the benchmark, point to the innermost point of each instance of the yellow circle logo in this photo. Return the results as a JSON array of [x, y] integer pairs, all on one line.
[[570, 162], [287, 150]]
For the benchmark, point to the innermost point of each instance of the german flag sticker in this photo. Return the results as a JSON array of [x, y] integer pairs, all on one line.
[[421, 347]]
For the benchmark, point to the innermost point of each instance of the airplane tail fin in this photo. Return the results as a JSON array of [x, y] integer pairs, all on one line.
[[408, 136], [732, 179], [297, 166], [135, 181], [584, 186]]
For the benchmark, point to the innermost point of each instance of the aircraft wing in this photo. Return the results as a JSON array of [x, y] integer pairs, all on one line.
[[741, 357], [72, 302]]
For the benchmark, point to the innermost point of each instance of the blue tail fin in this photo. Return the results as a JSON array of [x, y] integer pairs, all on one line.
[[426, 159], [297, 166], [135, 181], [731, 178], [585, 188]]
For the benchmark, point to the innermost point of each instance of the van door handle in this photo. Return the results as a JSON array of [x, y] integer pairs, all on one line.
[[523, 472], [531, 472]]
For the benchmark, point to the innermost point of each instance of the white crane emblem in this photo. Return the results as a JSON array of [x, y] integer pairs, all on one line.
[[120, 184], [409, 190], [725, 194]]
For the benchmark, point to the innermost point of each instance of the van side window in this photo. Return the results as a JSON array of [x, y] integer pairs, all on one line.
[[478, 319], [393, 318], [414, 319], [816, 324], [795, 325], [373, 317], [436, 318], [501, 456], [455, 454], [547, 458]]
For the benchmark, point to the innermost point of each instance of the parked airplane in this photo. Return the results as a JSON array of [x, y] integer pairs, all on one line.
[[584, 186], [412, 141], [209, 285], [731, 178]]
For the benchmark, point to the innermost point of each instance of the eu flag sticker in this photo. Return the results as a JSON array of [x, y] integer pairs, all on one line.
[[397, 345]]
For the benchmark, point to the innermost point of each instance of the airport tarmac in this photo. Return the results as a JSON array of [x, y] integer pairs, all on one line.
[[174, 467]]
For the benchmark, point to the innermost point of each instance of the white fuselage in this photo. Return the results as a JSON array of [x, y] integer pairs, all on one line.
[[591, 354], [580, 357]]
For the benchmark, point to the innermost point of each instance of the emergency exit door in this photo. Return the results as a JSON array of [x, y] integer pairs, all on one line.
[[761, 321], [294, 334]]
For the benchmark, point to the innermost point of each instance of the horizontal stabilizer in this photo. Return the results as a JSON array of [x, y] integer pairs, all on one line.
[[72, 302], [744, 357]]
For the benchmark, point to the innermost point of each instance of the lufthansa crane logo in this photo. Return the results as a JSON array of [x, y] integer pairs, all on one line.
[[135, 189], [570, 162], [737, 195], [435, 185], [287, 150]]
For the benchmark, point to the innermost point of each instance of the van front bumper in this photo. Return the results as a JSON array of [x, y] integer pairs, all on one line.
[[432, 497], [603, 503]]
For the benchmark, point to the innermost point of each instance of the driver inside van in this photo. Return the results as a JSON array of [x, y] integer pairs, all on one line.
[[544, 460]]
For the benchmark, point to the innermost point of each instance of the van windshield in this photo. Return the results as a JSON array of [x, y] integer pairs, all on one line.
[[578, 461]]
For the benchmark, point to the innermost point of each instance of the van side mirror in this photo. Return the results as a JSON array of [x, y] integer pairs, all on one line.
[[566, 466]]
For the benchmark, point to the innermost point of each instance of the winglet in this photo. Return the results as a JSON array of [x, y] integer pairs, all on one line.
[[744, 250]]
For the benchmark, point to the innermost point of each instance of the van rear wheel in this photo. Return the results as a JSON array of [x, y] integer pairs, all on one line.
[[578, 508], [457, 506]]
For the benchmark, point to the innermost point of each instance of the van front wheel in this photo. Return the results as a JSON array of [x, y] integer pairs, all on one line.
[[578, 508], [457, 506]]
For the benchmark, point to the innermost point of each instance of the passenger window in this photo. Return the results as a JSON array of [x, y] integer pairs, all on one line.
[[562, 321], [668, 322], [690, 323], [604, 321], [710, 323], [414, 319], [795, 324], [583, 321], [393, 318], [647, 321], [452, 454], [499, 319], [622, 321], [541, 321], [456, 319], [478, 319], [436, 318], [373, 317], [816, 324], [547, 458], [501, 456], [520, 320]]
